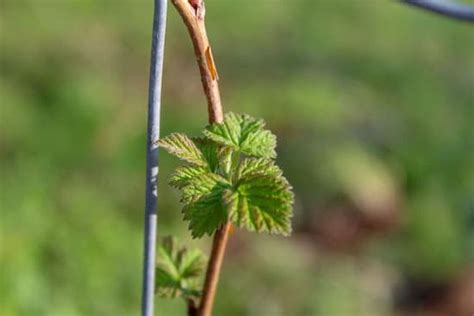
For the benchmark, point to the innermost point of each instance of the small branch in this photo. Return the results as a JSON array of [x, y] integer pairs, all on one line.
[[193, 12], [445, 7], [153, 134]]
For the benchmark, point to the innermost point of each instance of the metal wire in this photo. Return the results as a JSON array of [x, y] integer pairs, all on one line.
[[153, 134], [445, 7]]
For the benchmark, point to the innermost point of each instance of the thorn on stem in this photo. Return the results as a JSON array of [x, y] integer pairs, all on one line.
[[210, 64]]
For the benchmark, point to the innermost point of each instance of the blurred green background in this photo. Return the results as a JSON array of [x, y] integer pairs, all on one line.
[[373, 106]]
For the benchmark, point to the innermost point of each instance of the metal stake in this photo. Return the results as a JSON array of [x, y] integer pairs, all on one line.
[[153, 134]]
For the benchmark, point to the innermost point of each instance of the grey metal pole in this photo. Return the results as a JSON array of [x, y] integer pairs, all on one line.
[[153, 134], [445, 7]]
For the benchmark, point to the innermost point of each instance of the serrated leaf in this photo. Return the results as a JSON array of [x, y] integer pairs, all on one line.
[[259, 144], [201, 185], [183, 175], [216, 155], [231, 175], [207, 213], [178, 270], [257, 166], [192, 265], [262, 203], [184, 148], [244, 133], [166, 285]]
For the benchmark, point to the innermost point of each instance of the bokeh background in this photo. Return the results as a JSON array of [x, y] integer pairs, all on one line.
[[373, 106]]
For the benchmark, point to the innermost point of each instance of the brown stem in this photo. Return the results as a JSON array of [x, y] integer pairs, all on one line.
[[193, 12], [213, 269]]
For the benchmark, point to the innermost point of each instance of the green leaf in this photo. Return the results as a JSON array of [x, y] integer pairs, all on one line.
[[262, 203], [183, 175], [231, 176], [184, 148], [178, 270], [207, 213], [192, 265], [203, 208], [257, 166], [243, 133], [216, 155], [209, 150], [201, 185], [166, 284]]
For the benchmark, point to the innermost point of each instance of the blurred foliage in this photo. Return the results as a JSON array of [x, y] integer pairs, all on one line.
[[179, 270], [373, 106]]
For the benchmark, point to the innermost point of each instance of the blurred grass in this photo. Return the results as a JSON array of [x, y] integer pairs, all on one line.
[[359, 93]]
